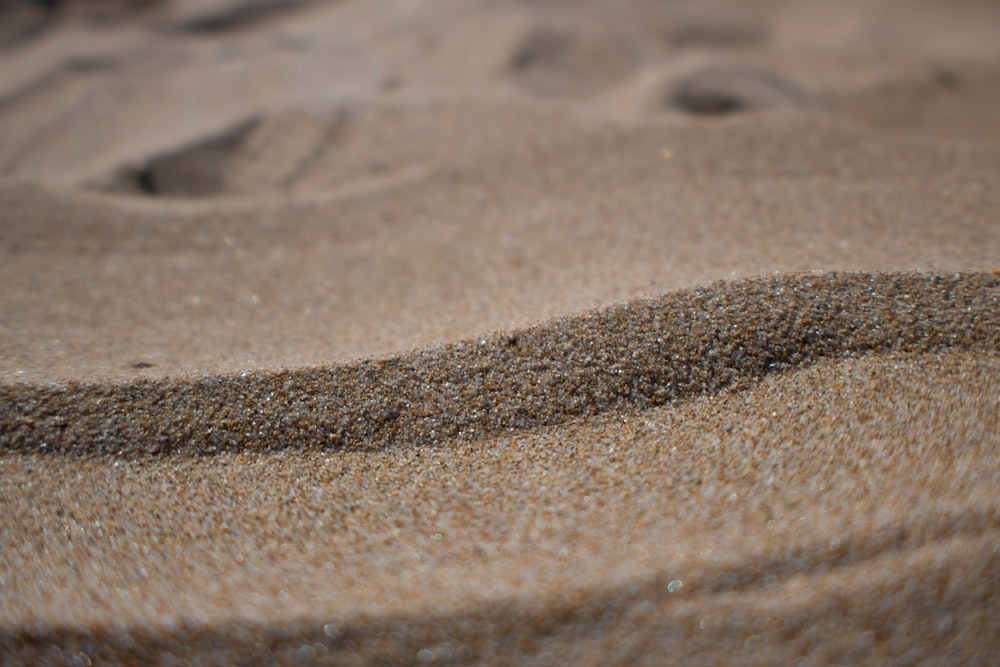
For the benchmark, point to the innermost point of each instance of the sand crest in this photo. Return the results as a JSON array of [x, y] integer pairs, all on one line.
[[636, 356]]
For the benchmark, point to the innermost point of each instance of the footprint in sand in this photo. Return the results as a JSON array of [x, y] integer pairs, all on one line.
[[309, 103], [722, 89], [339, 78], [552, 60]]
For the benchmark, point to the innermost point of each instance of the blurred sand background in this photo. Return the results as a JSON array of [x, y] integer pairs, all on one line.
[[500, 332]]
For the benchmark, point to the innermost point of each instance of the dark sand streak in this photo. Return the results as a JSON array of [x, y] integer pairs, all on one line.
[[639, 355]]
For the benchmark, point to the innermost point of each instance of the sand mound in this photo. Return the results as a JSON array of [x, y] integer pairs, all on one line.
[[845, 510], [635, 356]]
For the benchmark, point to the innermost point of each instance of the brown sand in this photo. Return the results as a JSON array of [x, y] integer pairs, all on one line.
[[522, 333]]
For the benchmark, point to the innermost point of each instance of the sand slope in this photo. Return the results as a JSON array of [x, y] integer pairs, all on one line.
[[845, 511], [635, 356], [500, 332]]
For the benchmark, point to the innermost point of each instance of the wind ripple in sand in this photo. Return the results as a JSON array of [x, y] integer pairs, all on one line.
[[637, 355]]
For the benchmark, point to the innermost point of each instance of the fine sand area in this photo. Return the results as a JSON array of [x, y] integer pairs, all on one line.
[[500, 332]]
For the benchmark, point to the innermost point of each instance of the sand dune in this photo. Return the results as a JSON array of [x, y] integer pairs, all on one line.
[[499, 332]]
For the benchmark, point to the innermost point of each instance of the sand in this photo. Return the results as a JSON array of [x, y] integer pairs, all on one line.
[[479, 332]]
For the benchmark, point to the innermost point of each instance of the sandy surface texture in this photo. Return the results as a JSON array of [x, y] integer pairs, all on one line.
[[500, 332]]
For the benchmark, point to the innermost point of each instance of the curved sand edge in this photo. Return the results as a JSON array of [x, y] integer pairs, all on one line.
[[634, 623], [636, 355], [897, 557]]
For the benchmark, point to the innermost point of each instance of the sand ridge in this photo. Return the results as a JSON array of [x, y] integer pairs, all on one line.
[[639, 355], [757, 524]]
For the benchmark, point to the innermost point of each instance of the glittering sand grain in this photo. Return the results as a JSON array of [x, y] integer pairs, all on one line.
[[533, 360]]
